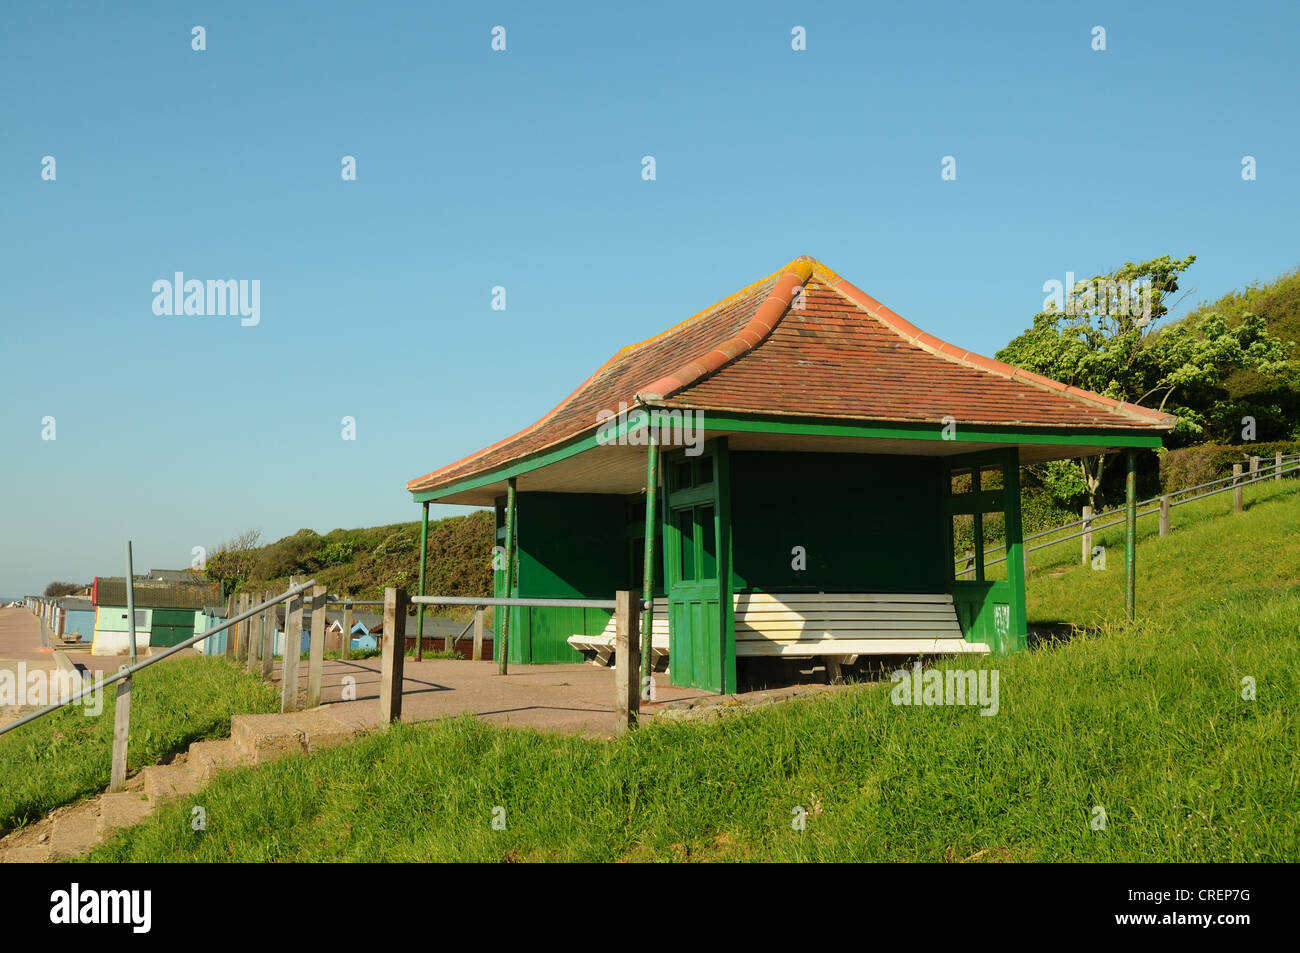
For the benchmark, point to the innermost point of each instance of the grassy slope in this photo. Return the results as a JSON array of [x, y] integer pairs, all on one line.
[[66, 756], [1210, 560], [1146, 721]]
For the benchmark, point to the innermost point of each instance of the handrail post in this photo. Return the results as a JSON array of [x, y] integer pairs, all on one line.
[[242, 630], [627, 649], [1236, 488], [121, 735], [648, 575], [316, 657], [394, 656], [289, 658], [1164, 515], [477, 654], [1130, 537], [1277, 466], [130, 602], [424, 555], [1087, 534], [254, 641], [231, 611], [347, 629], [503, 656], [268, 642]]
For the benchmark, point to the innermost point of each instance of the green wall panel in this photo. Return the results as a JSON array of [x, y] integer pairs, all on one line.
[[570, 545], [869, 523]]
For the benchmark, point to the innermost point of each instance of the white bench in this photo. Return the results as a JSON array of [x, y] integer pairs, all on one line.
[[844, 626], [602, 644], [837, 626]]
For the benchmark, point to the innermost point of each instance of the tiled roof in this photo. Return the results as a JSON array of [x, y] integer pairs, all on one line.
[[835, 352], [111, 591]]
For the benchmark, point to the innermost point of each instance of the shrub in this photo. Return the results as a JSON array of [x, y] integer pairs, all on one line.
[[1192, 466]]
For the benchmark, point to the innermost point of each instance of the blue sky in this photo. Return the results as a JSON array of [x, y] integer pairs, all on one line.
[[522, 169]]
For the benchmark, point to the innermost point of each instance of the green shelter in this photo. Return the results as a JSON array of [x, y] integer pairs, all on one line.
[[804, 472]]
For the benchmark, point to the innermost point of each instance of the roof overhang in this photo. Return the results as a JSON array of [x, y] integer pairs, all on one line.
[[613, 460]]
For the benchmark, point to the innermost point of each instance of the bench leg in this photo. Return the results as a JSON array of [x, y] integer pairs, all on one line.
[[833, 673]]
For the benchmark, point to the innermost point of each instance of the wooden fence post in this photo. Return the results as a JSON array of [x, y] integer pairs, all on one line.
[[1277, 465], [121, 735], [292, 649], [1087, 534], [347, 630], [231, 603], [316, 660], [268, 641], [394, 656], [254, 640], [241, 631], [1236, 488], [477, 654], [1164, 516], [627, 661]]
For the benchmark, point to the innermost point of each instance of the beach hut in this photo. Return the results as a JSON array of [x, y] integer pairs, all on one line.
[[805, 473], [79, 618], [164, 612]]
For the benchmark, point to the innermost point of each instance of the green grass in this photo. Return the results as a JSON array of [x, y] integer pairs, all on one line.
[[67, 755], [1145, 721], [1210, 560]]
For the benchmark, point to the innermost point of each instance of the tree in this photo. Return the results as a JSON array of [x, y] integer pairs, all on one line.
[[56, 589], [1103, 337], [232, 562]]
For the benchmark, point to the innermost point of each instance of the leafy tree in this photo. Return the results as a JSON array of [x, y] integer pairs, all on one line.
[[232, 562], [1106, 339], [56, 589]]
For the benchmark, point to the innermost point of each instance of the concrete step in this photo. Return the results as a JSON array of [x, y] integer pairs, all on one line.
[[27, 854], [262, 738], [75, 831], [167, 782], [206, 758], [123, 809]]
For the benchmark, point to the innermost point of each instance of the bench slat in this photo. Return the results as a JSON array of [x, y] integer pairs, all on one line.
[[763, 647], [795, 598], [854, 615], [835, 629]]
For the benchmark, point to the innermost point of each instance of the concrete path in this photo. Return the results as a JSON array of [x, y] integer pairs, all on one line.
[[571, 698], [20, 639]]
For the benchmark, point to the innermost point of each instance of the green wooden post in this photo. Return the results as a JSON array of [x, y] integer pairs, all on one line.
[[424, 555], [1130, 536], [503, 663], [1018, 625], [648, 576]]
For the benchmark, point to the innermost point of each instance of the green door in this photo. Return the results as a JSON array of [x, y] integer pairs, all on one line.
[[697, 561], [171, 626], [982, 503]]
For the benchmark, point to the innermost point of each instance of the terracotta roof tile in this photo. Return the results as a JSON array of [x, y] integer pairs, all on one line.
[[836, 353]]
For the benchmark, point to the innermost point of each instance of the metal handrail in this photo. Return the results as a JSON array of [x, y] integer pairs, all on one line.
[[479, 603], [128, 670], [1271, 470], [1245, 480]]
